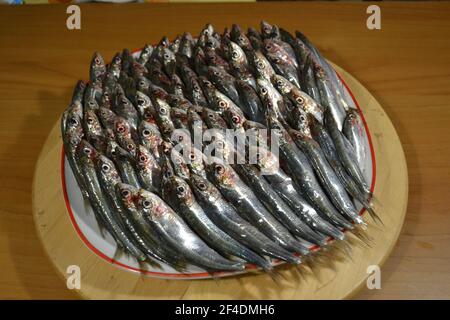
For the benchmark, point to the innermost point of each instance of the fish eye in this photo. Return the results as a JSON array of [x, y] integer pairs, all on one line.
[[302, 117], [166, 56], [279, 83], [268, 47], [87, 151], [142, 83], [105, 168], [299, 100], [141, 102], [143, 158], [201, 186], [263, 90], [222, 104], [235, 54], [168, 174], [90, 120], [130, 146], [121, 129], [235, 119], [219, 169], [146, 132], [192, 156], [146, 204], [163, 110], [180, 190], [126, 193], [260, 65], [91, 103], [97, 60], [196, 88]]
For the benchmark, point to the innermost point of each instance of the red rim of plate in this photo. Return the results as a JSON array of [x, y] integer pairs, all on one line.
[[198, 274]]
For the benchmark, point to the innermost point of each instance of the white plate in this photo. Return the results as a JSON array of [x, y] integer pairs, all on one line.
[[85, 224]]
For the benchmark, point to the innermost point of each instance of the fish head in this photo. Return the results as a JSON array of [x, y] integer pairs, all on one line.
[[178, 188], [221, 101], [235, 118], [162, 108], [151, 204], [106, 116], [301, 121], [105, 167], [181, 136], [218, 171], [150, 134], [144, 158], [86, 153], [277, 129], [265, 159], [239, 37], [281, 83], [92, 124], [127, 144], [167, 170], [179, 164], [168, 60], [213, 119], [266, 29], [126, 194], [175, 44], [196, 161], [236, 53], [97, 67], [353, 116], [122, 127], [178, 101], [116, 61], [138, 70], [202, 187]]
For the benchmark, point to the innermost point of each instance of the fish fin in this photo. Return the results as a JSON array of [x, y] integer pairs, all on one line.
[[276, 276], [375, 217], [152, 262]]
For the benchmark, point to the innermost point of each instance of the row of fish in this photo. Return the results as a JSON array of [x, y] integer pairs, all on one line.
[[130, 138]]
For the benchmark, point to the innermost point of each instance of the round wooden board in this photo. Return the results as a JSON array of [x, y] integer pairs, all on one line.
[[338, 280]]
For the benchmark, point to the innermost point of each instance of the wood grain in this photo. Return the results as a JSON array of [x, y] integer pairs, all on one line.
[[404, 65]]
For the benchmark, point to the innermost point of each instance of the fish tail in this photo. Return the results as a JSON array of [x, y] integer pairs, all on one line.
[[361, 234], [276, 276], [375, 217]]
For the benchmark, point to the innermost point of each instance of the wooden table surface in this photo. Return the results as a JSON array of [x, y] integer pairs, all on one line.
[[405, 65]]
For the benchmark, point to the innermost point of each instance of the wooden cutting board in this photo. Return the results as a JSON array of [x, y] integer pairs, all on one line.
[[341, 277]]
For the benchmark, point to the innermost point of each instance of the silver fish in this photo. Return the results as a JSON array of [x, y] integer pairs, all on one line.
[[179, 236], [225, 216]]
